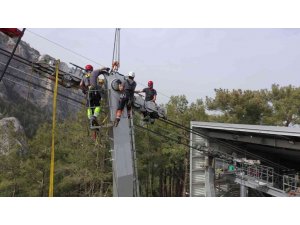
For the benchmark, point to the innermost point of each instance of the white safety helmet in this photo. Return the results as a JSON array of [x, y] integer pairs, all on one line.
[[101, 79], [131, 74]]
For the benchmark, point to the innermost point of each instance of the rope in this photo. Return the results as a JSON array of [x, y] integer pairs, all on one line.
[[12, 53], [53, 132], [65, 48], [223, 143], [167, 137], [105, 119], [38, 67], [116, 51], [36, 77], [28, 93], [49, 71], [179, 136], [26, 86], [160, 135], [40, 86]]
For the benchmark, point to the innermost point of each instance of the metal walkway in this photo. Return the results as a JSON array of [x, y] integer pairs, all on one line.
[[264, 179]]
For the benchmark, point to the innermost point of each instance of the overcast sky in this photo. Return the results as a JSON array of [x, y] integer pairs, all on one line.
[[179, 61], [185, 61]]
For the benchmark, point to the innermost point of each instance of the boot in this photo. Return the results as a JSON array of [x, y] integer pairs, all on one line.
[[92, 121], [116, 122]]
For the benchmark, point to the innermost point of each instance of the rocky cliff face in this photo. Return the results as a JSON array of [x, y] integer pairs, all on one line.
[[12, 136], [23, 49], [17, 94]]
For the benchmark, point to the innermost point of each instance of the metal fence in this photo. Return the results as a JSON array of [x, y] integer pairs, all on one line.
[[289, 183], [259, 172]]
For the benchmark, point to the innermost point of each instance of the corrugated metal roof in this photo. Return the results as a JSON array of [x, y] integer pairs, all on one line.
[[274, 130]]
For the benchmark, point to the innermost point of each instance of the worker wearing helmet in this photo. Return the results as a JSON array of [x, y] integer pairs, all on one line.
[[150, 95], [150, 92], [101, 80], [127, 89], [85, 82], [91, 88], [101, 83]]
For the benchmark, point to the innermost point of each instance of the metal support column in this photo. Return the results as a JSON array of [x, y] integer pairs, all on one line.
[[122, 158], [210, 182], [243, 191], [134, 160]]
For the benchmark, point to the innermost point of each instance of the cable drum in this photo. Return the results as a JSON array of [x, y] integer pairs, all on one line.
[[115, 84], [161, 113], [155, 110], [150, 106]]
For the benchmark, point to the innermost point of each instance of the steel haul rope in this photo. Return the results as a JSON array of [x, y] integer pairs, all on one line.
[[12, 54]]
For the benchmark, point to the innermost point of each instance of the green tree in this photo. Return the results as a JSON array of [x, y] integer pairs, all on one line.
[[237, 106], [163, 162], [12, 159], [285, 102], [82, 165]]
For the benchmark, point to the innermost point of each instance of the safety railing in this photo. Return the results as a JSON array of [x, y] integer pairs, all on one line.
[[259, 172], [289, 183]]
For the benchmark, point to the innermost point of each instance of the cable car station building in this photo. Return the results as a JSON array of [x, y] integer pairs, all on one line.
[[244, 160]]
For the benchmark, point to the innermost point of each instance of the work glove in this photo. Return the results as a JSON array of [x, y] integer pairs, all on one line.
[[105, 71]]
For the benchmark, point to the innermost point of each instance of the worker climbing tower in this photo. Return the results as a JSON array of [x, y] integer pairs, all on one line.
[[122, 144], [125, 181]]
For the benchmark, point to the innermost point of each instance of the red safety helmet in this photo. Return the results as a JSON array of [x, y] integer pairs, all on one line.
[[150, 83], [89, 68]]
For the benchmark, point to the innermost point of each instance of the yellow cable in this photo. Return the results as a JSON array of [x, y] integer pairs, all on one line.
[[104, 119], [53, 131]]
